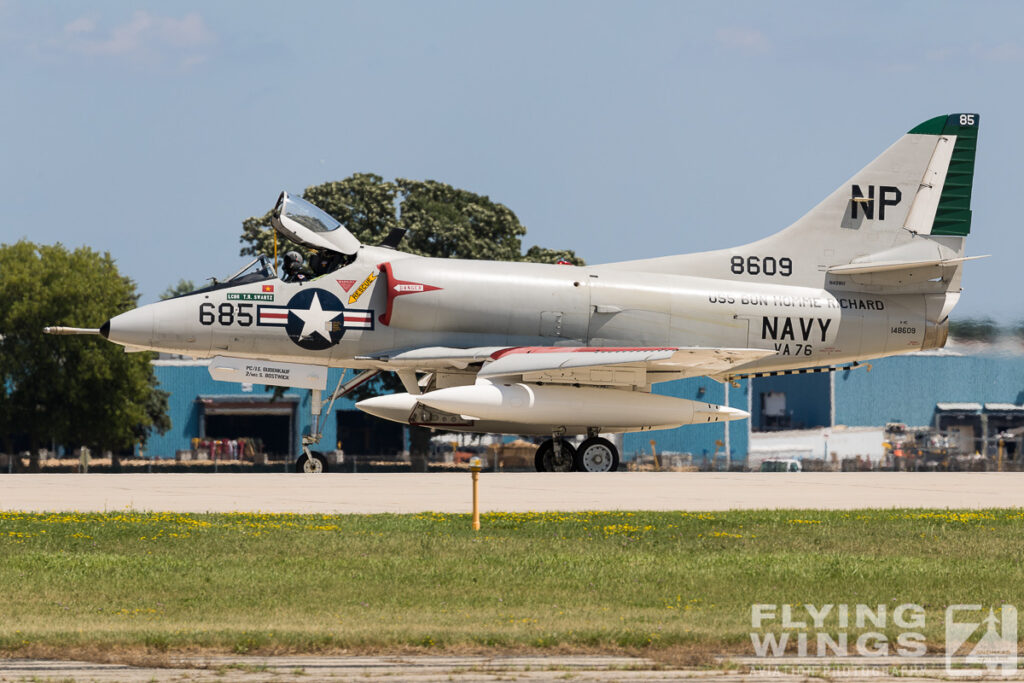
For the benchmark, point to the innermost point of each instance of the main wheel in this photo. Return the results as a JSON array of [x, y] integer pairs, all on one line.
[[546, 457], [538, 456], [597, 455], [315, 465]]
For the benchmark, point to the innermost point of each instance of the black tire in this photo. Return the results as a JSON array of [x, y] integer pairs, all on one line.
[[317, 465], [567, 462], [538, 458], [596, 455]]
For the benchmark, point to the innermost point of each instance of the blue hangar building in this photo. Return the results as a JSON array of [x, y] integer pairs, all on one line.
[[913, 389], [974, 393], [205, 409], [202, 408]]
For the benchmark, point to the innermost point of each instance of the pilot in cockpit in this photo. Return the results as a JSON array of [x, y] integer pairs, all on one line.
[[293, 268]]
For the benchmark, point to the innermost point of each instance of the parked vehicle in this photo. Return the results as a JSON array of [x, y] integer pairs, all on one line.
[[781, 465]]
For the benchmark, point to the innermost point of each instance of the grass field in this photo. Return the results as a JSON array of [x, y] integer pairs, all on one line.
[[649, 581]]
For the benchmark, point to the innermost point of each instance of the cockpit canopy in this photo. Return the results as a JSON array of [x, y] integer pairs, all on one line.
[[257, 270], [308, 225]]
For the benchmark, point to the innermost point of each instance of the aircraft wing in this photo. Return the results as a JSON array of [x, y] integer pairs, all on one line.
[[433, 357], [611, 365], [625, 366]]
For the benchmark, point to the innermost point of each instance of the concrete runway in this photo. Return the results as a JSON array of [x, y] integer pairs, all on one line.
[[510, 492], [441, 668]]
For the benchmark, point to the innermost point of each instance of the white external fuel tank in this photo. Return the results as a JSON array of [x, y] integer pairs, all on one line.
[[558, 404]]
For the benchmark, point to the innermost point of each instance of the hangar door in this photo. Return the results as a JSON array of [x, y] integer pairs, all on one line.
[[273, 423], [362, 434]]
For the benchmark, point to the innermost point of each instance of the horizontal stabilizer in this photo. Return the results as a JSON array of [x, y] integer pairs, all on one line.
[[889, 266]]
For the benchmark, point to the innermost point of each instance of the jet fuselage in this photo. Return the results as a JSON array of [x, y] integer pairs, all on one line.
[[386, 300]]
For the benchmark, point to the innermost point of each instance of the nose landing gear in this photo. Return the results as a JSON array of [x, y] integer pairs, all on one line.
[[314, 462], [311, 462]]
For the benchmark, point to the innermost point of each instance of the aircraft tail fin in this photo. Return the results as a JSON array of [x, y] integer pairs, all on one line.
[[901, 221]]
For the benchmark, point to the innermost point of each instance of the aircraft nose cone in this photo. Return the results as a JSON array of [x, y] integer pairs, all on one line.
[[131, 328]]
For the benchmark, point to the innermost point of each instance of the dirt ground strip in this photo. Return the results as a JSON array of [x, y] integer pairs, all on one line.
[[478, 668], [508, 492]]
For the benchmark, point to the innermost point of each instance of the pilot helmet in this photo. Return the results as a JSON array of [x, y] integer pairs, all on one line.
[[292, 260]]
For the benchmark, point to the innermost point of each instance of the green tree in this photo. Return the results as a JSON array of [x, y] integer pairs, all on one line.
[[974, 330], [543, 255], [443, 221], [183, 287], [446, 222], [72, 390]]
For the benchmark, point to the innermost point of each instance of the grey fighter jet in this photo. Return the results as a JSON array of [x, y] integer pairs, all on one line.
[[559, 350]]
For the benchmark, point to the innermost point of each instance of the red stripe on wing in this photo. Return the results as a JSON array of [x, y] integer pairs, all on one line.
[[577, 349]]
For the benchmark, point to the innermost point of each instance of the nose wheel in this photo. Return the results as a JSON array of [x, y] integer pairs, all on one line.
[[311, 462], [596, 455], [555, 455]]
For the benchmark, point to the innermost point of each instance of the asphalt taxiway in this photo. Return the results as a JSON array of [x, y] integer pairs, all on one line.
[[507, 492]]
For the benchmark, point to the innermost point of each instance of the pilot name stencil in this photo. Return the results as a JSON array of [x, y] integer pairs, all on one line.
[[245, 296], [267, 372]]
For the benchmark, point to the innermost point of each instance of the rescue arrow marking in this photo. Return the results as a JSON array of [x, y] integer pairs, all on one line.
[[362, 288]]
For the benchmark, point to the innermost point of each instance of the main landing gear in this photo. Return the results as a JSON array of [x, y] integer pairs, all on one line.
[[593, 455], [597, 455], [555, 455]]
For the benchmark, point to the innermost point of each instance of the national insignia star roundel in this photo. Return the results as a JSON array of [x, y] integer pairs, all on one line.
[[311, 314], [314, 318]]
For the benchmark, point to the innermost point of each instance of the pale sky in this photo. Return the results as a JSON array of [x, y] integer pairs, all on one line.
[[621, 130]]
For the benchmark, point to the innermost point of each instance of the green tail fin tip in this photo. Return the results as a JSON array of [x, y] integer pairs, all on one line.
[[953, 216]]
